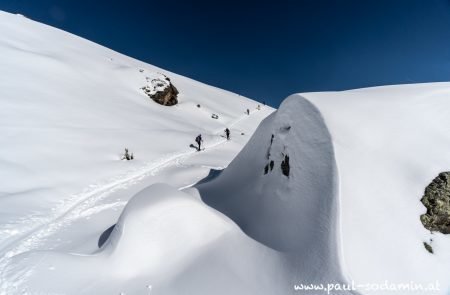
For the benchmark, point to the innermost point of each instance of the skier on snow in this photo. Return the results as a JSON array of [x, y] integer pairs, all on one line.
[[227, 132], [199, 141]]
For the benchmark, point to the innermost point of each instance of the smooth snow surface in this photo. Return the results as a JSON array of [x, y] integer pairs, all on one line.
[[390, 143]]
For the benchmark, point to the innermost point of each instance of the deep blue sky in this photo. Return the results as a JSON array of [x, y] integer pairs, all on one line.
[[267, 50]]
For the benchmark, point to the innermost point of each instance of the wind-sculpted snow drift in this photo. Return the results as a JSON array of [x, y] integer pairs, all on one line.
[[287, 213]]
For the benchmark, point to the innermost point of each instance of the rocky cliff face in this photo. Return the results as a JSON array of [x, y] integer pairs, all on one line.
[[161, 90], [437, 201]]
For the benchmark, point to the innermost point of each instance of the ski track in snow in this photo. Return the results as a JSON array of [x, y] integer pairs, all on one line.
[[31, 236]]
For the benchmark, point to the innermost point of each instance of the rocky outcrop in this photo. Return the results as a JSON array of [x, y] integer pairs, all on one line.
[[162, 91], [437, 201], [285, 167]]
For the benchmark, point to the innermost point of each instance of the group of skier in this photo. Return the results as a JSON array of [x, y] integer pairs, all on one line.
[[199, 138]]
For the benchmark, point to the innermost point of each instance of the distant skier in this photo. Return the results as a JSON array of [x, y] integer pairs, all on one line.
[[227, 132], [248, 112], [199, 141], [258, 107]]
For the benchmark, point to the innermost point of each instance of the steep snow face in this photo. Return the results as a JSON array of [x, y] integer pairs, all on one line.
[[390, 143], [69, 107], [273, 207], [295, 213], [386, 144]]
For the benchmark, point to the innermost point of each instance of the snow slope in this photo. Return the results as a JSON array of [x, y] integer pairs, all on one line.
[[360, 161], [174, 243], [69, 107]]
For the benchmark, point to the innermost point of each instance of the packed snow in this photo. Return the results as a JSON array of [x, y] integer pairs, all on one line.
[[325, 191]]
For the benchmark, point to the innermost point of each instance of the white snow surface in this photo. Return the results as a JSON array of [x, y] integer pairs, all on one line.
[[69, 108], [347, 212], [390, 143]]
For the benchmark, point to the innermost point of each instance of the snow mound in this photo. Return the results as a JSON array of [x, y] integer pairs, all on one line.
[[153, 226], [390, 143], [160, 230], [165, 240], [295, 213], [283, 212]]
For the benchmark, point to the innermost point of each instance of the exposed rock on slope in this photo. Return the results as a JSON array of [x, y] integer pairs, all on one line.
[[161, 90], [437, 202]]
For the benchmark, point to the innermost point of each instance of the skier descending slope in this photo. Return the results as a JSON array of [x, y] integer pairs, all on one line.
[[199, 141], [227, 132]]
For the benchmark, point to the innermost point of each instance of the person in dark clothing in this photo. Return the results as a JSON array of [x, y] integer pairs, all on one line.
[[227, 132], [248, 112], [199, 141]]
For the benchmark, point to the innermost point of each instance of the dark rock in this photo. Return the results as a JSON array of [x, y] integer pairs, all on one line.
[[162, 91], [428, 247], [271, 165], [167, 97], [270, 147], [266, 169], [437, 201], [285, 168]]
